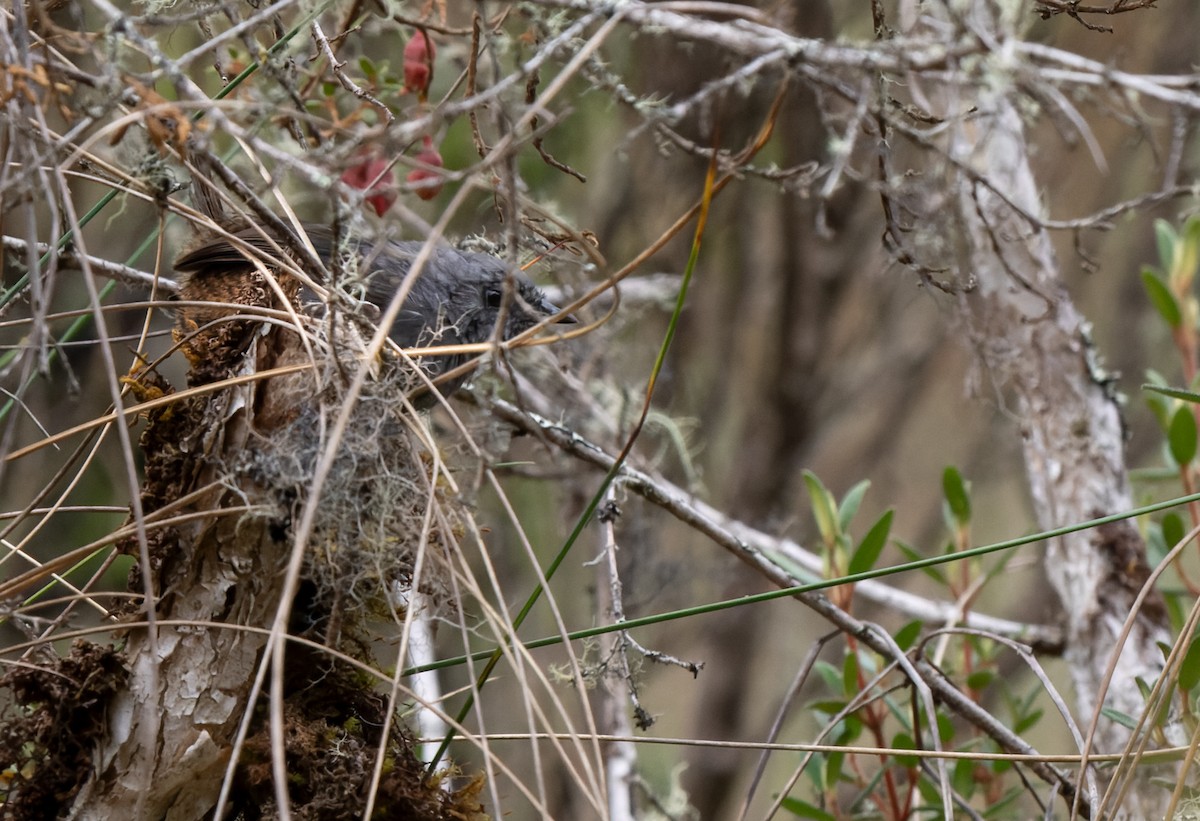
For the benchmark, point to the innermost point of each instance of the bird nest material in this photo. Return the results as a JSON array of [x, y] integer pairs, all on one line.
[[371, 518]]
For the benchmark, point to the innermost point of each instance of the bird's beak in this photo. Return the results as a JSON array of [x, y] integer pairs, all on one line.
[[550, 309]]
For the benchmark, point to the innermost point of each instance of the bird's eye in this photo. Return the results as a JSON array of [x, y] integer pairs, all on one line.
[[492, 297]]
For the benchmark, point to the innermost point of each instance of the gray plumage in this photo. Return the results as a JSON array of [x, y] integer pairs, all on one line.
[[455, 300]]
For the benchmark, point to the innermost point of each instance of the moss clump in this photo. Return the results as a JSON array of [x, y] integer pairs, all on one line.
[[47, 738]]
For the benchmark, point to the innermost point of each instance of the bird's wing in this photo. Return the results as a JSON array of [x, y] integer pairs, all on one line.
[[222, 252]]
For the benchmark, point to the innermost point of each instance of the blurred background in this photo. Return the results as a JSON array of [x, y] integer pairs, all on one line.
[[803, 344]]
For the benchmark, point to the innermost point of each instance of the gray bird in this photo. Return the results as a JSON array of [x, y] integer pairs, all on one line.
[[456, 299]]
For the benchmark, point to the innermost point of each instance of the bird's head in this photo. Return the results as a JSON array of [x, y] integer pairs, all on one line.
[[484, 290]]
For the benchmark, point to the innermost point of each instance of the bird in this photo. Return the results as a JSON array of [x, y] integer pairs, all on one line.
[[456, 299]]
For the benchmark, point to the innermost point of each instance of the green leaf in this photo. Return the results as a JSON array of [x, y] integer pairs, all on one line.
[[907, 635], [945, 727], [831, 675], [955, 490], [1143, 687], [1128, 722], [903, 741], [929, 792], [1182, 436], [833, 769], [1174, 393], [1191, 229], [850, 674], [366, 67], [1164, 710], [963, 778], [1172, 529], [981, 679], [1187, 252], [1028, 720], [824, 509], [1166, 238], [850, 504], [872, 545], [1189, 670], [816, 765], [1161, 297], [802, 809], [852, 728], [1176, 610], [829, 706]]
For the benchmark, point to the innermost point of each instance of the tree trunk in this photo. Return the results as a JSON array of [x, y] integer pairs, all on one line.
[[236, 465], [1020, 318]]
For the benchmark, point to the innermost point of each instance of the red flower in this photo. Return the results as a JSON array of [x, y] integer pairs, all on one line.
[[429, 156], [418, 64], [373, 174]]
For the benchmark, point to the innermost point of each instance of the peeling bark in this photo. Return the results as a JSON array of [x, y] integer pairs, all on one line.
[[171, 731]]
